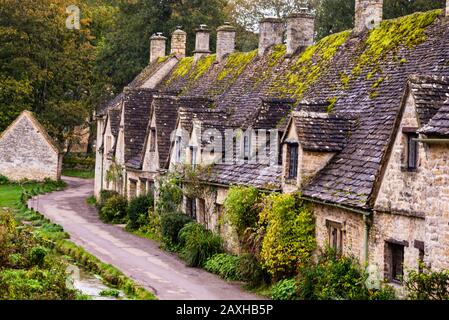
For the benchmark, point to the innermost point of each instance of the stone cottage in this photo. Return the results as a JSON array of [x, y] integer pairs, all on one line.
[[356, 122], [28, 152]]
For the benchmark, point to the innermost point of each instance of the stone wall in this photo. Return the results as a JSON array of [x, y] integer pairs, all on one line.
[[312, 163], [423, 193], [353, 229], [26, 154], [99, 170], [395, 229]]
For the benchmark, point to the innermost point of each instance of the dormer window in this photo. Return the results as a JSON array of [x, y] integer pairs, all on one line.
[[412, 151], [292, 153], [152, 140], [193, 155], [178, 149], [247, 146], [411, 148]]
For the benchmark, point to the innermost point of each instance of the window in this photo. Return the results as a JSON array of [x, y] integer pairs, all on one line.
[[191, 207], [108, 144], [201, 210], [412, 151], [151, 188], [292, 150], [178, 148], [153, 140], [394, 262], [143, 187], [193, 155], [132, 188], [247, 146], [335, 233]]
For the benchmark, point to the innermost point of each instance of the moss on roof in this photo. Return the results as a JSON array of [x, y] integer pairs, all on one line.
[[307, 68]]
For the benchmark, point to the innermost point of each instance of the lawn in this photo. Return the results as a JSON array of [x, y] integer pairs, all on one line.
[[9, 195], [79, 173]]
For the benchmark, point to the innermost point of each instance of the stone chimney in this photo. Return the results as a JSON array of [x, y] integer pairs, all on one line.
[[157, 46], [447, 8], [300, 30], [368, 14], [225, 40], [271, 33], [178, 42], [202, 42]]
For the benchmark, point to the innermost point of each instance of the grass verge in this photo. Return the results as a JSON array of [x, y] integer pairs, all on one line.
[[54, 237]]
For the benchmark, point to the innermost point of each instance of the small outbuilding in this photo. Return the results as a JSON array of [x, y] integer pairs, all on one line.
[[28, 152]]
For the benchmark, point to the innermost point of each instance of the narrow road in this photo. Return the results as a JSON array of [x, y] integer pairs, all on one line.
[[140, 259]]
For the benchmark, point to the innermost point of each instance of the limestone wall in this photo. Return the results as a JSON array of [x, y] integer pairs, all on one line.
[[397, 229], [26, 154], [353, 229], [423, 193]]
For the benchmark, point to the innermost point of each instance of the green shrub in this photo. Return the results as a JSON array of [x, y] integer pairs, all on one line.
[[110, 293], [170, 194], [171, 224], [290, 235], [114, 210], [285, 290], [428, 285], [138, 211], [250, 271], [36, 255], [241, 207], [105, 195], [224, 265], [79, 161], [3, 180], [336, 277], [199, 244]]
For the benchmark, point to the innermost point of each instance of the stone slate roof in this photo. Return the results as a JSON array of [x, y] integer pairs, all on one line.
[[114, 103], [38, 126], [363, 76], [323, 132], [137, 109], [165, 113], [430, 92], [137, 82], [273, 113], [439, 124], [114, 116], [247, 174]]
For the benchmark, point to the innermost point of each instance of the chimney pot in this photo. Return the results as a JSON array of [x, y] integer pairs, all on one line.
[[368, 14], [202, 42], [157, 46], [225, 40], [300, 30], [178, 42], [271, 33]]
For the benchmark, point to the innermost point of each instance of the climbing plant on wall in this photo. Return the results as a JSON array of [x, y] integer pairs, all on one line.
[[289, 240]]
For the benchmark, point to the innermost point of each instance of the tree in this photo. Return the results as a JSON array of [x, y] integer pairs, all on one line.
[[125, 52], [44, 66]]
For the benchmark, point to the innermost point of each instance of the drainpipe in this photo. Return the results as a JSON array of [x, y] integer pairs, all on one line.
[[365, 239]]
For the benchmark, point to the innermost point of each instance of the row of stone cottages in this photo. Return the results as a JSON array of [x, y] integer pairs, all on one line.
[[362, 118]]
